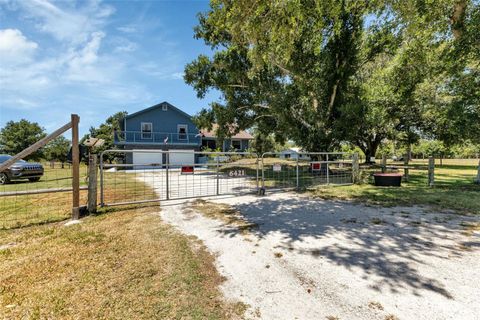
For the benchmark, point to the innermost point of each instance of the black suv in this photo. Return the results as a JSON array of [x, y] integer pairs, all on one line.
[[20, 170]]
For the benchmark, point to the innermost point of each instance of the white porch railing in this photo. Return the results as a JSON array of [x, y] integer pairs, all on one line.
[[130, 137]]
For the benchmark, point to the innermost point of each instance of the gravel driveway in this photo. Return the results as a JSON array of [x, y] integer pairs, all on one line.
[[202, 183], [316, 259]]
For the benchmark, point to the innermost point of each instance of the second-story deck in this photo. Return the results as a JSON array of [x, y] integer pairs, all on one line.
[[139, 137]]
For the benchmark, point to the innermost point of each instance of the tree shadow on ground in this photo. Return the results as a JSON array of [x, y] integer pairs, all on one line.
[[386, 245]]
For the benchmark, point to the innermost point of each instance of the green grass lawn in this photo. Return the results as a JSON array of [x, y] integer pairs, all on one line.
[[122, 265], [121, 186], [23, 210], [56, 177], [454, 189]]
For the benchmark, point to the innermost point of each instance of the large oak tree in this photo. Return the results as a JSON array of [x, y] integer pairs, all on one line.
[[323, 72]]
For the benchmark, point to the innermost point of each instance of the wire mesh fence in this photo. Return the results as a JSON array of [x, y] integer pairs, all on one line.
[[28, 196], [447, 172], [301, 170], [35, 193], [153, 175]]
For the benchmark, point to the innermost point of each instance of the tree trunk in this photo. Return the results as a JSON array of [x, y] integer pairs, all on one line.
[[457, 18], [370, 151]]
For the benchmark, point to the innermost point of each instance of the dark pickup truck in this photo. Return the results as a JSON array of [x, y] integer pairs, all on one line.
[[20, 170]]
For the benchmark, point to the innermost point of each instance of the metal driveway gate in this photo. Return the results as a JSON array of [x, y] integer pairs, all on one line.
[[306, 169], [138, 176]]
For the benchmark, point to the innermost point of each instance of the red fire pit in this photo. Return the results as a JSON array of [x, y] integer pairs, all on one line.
[[388, 179]]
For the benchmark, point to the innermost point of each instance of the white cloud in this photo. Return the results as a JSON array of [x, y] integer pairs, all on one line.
[[27, 79], [78, 29], [23, 104], [160, 71], [177, 75], [127, 29], [71, 24], [76, 63], [89, 53], [82, 65], [17, 67], [123, 45], [15, 48]]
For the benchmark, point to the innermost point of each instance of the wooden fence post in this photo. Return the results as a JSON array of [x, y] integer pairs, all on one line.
[[384, 163], [75, 169], [431, 171], [406, 176], [297, 173], [92, 183], [477, 181], [355, 168]]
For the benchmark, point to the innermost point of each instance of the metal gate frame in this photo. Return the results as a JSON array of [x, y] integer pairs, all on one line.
[[326, 161], [217, 165], [259, 161]]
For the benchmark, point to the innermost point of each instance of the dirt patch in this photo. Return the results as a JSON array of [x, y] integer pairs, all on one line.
[[224, 213], [470, 227], [375, 305]]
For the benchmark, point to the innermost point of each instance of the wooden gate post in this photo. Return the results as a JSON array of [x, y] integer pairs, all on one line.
[[406, 176], [75, 168], [328, 176], [297, 173], [92, 183], [355, 168], [477, 181], [431, 171]]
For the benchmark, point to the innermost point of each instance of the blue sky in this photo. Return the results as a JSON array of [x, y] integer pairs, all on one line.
[[95, 58]]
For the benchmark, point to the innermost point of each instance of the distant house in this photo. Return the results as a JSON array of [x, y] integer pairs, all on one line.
[[237, 142], [165, 127], [293, 153]]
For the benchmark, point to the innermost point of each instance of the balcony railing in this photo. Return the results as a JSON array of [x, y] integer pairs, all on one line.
[[125, 137]]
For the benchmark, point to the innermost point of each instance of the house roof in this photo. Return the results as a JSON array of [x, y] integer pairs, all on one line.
[[170, 106], [294, 149], [205, 133], [212, 133]]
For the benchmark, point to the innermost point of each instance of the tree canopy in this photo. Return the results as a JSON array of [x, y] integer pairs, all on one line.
[[19, 135], [105, 131], [57, 149], [322, 73]]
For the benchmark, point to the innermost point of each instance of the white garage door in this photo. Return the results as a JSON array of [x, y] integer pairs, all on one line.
[[182, 157], [146, 160]]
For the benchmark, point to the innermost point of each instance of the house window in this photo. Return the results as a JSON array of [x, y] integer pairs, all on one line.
[[164, 107], [182, 130], [146, 130], [236, 144]]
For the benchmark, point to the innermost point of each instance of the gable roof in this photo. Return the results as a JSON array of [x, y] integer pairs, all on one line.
[[292, 150], [170, 106], [242, 134]]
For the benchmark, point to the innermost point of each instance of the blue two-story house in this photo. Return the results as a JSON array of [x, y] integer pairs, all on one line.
[[165, 127]]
